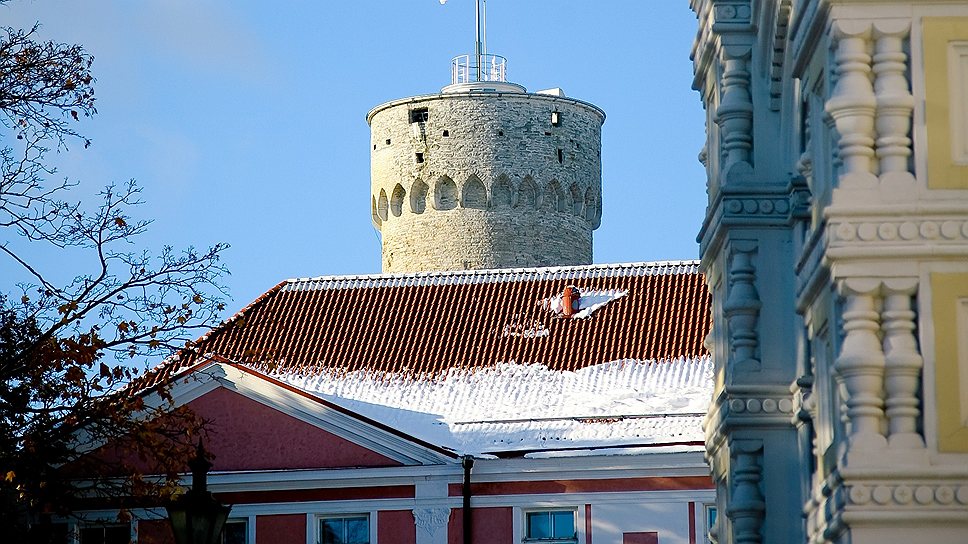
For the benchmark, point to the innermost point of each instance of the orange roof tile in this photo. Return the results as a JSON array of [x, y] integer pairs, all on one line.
[[427, 323]]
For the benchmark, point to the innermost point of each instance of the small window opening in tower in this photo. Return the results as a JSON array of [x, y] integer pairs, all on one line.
[[561, 155], [374, 146], [388, 141], [420, 158], [419, 115], [500, 133], [446, 133], [547, 133], [555, 118]]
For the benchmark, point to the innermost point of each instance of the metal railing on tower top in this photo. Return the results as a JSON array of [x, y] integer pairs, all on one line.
[[465, 68]]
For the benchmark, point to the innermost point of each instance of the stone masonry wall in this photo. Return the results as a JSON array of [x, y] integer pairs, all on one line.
[[485, 180]]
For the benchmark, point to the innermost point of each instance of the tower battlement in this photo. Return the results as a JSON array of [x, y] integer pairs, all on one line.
[[482, 177]]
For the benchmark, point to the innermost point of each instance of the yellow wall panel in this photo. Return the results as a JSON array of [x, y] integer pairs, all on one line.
[[949, 292], [940, 34]]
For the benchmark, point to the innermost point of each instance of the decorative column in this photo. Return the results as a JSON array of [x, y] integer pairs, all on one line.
[[747, 508], [431, 525], [735, 114], [903, 363], [742, 308], [852, 105], [895, 103], [860, 367]]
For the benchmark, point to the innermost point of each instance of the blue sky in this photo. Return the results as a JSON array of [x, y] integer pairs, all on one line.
[[244, 120]]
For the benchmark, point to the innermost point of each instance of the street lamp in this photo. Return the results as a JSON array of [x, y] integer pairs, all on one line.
[[197, 517]]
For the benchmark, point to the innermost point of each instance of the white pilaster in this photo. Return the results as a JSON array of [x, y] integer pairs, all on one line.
[[747, 506], [431, 525], [860, 368], [742, 308], [895, 104], [903, 362], [853, 104]]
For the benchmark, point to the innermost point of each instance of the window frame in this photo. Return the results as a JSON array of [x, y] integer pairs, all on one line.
[[240, 519], [525, 527], [75, 534], [318, 524], [710, 514]]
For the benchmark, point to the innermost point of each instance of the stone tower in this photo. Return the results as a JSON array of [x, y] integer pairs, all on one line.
[[485, 174]]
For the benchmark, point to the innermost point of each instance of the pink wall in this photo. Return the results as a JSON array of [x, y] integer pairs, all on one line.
[[282, 529], [490, 525], [247, 435], [640, 538], [396, 527]]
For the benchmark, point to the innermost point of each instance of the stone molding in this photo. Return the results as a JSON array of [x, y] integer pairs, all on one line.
[[740, 205], [915, 231], [749, 406], [780, 32], [733, 12], [848, 499], [914, 494], [430, 522]]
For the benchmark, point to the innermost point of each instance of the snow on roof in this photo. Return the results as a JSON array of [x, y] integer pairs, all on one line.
[[497, 275], [513, 409]]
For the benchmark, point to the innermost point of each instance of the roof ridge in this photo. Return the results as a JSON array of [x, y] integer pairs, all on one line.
[[405, 279]]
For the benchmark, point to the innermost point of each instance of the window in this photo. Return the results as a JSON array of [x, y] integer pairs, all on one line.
[[114, 534], [710, 511], [235, 531], [344, 530], [551, 526], [555, 118], [419, 115]]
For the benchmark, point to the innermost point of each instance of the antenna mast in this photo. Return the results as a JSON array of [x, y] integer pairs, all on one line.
[[480, 44]]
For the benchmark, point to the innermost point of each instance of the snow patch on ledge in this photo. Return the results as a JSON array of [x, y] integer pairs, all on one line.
[[529, 407]]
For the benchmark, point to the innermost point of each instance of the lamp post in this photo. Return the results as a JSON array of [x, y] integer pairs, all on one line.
[[197, 517]]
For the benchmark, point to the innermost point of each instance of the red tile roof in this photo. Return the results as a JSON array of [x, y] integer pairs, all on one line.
[[427, 323]]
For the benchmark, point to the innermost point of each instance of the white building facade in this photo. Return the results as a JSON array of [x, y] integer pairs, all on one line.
[[835, 246]]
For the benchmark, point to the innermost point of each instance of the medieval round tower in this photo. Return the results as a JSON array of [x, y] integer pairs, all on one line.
[[485, 174]]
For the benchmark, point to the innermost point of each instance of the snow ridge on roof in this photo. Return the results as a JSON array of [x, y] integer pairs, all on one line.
[[467, 277], [530, 407]]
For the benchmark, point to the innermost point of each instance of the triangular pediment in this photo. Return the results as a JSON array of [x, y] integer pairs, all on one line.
[[258, 423]]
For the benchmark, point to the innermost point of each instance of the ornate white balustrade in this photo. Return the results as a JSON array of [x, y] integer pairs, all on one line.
[[853, 104], [879, 367]]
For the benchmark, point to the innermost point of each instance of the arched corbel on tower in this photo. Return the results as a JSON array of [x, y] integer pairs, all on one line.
[[397, 198], [473, 194], [554, 197], [527, 194], [445, 194], [418, 196], [382, 205], [501, 193], [576, 199], [593, 208], [374, 216]]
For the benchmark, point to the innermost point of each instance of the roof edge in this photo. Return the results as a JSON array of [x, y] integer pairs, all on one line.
[[493, 274]]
